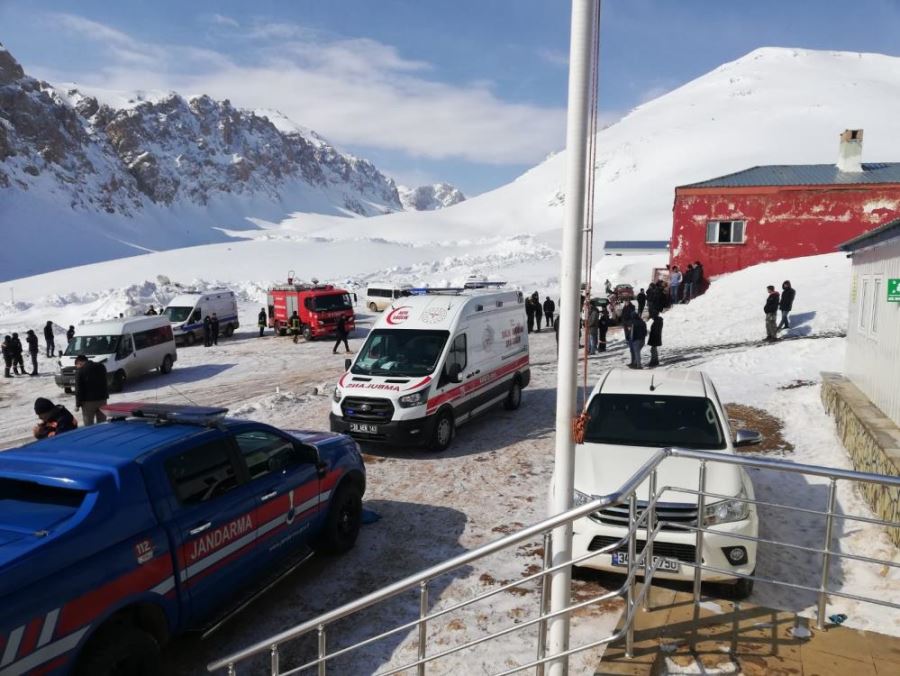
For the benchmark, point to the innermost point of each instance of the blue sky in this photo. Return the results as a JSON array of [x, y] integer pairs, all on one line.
[[472, 91]]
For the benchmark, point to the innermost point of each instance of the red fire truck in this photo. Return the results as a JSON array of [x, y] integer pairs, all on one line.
[[319, 307]]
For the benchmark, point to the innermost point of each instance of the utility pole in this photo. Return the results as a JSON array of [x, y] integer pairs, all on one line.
[[585, 15]]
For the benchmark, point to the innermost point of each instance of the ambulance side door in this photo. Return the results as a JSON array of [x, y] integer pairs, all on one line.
[[449, 391]]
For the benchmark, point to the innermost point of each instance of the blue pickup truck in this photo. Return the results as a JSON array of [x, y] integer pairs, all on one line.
[[166, 519]]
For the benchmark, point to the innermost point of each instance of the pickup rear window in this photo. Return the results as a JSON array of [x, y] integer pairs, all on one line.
[[31, 506], [654, 420]]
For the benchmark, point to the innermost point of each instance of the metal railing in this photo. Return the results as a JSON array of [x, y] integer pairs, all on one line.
[[647, 526]]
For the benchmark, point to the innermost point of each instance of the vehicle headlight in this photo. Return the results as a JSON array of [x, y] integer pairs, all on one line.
[[337, 396], [726, 511], [579, 499], [414, 399]]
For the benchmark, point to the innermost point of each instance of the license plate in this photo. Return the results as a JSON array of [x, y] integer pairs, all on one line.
[[667, 565], [365, 429]]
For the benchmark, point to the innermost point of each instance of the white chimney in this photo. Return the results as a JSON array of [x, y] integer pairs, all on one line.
[[850, 154]]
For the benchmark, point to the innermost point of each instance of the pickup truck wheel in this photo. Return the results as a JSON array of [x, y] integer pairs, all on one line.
[[166, 366], [444, 431], [514, 397], [121, 650], [343, 521], [118, 381]]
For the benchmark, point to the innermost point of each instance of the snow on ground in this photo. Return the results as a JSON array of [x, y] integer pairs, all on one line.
[[494, 479]]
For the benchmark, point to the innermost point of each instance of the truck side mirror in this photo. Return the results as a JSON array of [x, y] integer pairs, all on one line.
[[747, 438], [455, 373], [347, 363]]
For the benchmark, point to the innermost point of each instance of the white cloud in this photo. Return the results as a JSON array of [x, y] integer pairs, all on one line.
[[554, 57], [353, 91]]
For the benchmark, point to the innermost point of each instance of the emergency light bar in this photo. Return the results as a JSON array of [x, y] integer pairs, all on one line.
[[198, 415]]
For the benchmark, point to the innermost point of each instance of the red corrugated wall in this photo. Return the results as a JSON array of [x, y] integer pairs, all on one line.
[[783, 222]]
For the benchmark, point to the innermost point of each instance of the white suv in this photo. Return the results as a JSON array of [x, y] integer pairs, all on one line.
[[635, 413]]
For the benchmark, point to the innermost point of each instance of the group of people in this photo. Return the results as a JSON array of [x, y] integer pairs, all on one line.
[[14, 350], [295, 326], [91, 395], [775, 302], [684, 286], [635, 329], [539, 314]]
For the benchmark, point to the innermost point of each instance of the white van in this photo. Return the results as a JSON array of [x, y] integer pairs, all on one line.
[[431, 363], [380, 295], [186, 313], [126, 347]]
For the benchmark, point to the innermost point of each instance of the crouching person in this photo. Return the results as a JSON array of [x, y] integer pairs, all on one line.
[[55, 419]]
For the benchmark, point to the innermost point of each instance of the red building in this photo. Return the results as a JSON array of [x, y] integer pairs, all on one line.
[[786, 211]]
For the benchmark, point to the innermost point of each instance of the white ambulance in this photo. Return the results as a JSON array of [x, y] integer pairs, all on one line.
[[432, 362]]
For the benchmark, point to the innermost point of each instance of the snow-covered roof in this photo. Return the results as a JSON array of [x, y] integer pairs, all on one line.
[[804, 174]]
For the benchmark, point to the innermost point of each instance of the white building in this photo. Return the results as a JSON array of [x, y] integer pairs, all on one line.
[[873, 332]]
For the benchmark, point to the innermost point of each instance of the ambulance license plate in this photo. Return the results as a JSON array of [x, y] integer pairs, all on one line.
[[365, 429], [667, 565]]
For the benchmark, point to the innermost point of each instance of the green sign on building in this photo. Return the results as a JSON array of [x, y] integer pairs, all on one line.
[[893, 289]]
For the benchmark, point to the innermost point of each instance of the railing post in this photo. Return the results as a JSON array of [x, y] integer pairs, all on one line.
[[423, 626], [632, 572], [545, 595], [698, 545], [273, 655], [826, 555], [648, 546], [322, 650]]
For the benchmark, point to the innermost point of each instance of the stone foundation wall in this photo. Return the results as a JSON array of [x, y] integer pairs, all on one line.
[[871, 439]]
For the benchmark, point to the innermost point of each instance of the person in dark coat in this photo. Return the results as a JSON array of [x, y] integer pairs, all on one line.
[[628, 312], [32, 340], [593, 329], [55, 419], [70, 334], [18, 362], [786, 304], [151, 311], [261, 321], [295, 326], [556, 330], [770, 309], [642, 301], [7, 356], [214, 329], [49, 339], [549, 309], [698, 278], [341, 332], [655, 338], [638, 337], [529, 313], [91, 389], [603, 327], [207, 331], [538, 312]]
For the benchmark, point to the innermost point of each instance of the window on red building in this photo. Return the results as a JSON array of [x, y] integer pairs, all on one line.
[[725, 232]]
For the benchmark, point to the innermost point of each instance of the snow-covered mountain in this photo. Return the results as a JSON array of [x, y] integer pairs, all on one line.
[[430, 197]]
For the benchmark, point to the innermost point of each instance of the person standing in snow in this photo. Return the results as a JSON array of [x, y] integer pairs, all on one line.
[[770, 309], [538, 312], [638, 337], [32, 341], [556, 330], [593, 329], [603, 323], [529, 313], [295, 326], [49, 338], [341, 332], [91, 389], [674, 284], [207, 331], [261, 321], [698, 278], [7, 356], [655, 338], [642, 301], [786, 304], [150, 312], [549, 309], [70, 334], [18, 362], [687, 284], [214, 328]]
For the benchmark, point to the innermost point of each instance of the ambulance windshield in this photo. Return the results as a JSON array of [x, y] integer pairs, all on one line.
[[400, 353]]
